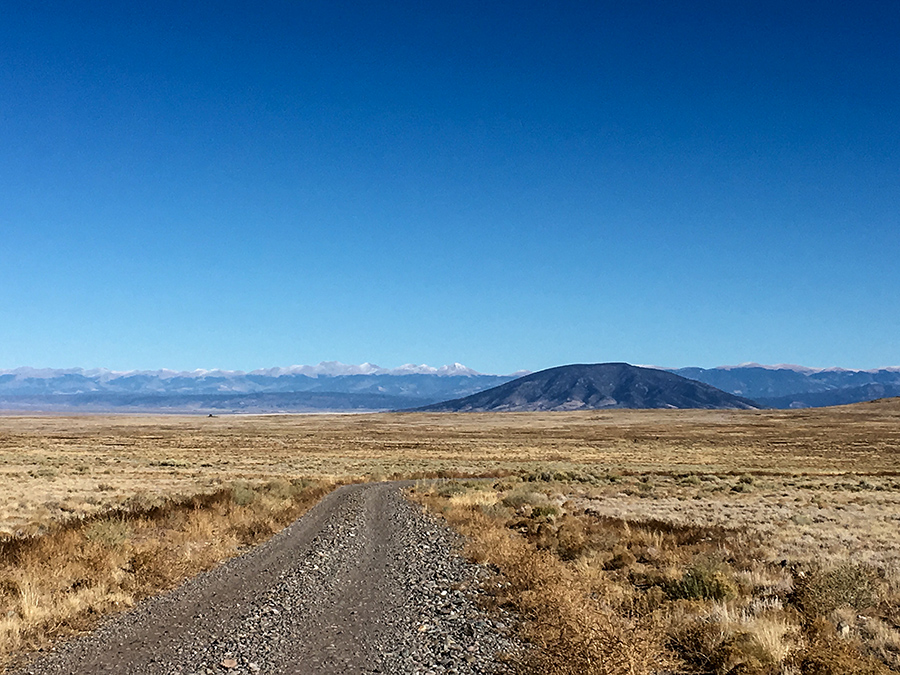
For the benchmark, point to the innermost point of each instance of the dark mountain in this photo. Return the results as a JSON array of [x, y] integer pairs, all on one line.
[[595, 386], [799, 387]]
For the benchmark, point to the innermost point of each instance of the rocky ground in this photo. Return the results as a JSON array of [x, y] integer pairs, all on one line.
[[363, 583]]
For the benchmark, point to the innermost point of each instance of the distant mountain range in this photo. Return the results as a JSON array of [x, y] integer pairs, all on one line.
[[334, 386], [330, 386], [593, 387], [787, 386]]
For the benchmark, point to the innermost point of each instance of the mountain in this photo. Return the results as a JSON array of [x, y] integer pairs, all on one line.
[[329, 386], [595, 386], [788, 386], [843, 396], [335, 386]]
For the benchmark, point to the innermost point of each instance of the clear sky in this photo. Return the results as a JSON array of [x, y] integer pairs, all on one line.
[[504, 184]]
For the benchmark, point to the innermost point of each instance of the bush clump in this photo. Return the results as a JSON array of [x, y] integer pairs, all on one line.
[[111, 532], [822, 591], [704, 580], [243, 494]]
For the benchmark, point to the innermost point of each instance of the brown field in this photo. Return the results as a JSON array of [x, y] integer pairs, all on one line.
[[55, 467], [796, 490]]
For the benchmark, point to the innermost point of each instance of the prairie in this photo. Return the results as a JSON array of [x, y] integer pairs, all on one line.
[[753, 501], [53, 468]]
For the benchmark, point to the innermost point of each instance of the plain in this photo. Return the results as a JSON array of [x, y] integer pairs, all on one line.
[[696, 527]]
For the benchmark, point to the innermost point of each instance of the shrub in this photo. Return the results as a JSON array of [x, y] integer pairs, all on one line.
[[111, 532], [519, 498], [547, 510], [704, 580], [822, 591], [243, 494]]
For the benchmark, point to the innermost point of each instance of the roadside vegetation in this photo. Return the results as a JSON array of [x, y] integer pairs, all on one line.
[[62, 581], [649, 591]]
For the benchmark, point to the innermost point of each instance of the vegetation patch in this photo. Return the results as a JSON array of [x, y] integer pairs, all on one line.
[[609, 596], [62, 581]]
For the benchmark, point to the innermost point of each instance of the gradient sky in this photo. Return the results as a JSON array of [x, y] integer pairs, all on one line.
[[508, 185]]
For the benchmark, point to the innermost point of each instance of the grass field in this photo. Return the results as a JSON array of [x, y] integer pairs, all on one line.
[[52, 468], [800, 492]]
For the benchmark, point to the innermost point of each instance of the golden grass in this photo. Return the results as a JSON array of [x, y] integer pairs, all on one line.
[[813, 485], [642, 590], [574, 630], [62, 582], [54, 467]]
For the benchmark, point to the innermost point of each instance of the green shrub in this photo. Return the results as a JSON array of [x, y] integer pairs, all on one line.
[[704, 580], [822, 591], [544, 510], [243, 494]]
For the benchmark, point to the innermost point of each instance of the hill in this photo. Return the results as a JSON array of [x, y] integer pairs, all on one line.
[[595, 386]]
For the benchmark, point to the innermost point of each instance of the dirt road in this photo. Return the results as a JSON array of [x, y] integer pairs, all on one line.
[[363, 583]]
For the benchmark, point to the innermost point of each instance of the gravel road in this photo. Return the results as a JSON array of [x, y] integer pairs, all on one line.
[[365, 582]]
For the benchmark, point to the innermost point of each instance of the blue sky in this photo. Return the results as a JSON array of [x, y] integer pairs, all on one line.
[[507, 185]]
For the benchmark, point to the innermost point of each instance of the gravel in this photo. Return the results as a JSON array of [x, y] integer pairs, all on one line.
[[363, 583]]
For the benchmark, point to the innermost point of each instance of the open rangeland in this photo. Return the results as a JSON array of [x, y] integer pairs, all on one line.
[[628, 541]]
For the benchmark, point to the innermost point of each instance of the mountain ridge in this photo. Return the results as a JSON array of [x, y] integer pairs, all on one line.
[[779, 386], [797, 386], [330, 386], [327, 368], [595, 386]]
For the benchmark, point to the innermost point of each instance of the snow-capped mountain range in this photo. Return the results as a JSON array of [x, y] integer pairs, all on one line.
[[344, 386], [805, 369], [325, 368], [332, 385]]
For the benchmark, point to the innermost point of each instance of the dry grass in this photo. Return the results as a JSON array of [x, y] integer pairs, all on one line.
[[812, 485], [574, 629], [52, 467], [62, 582], [645, 590]]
